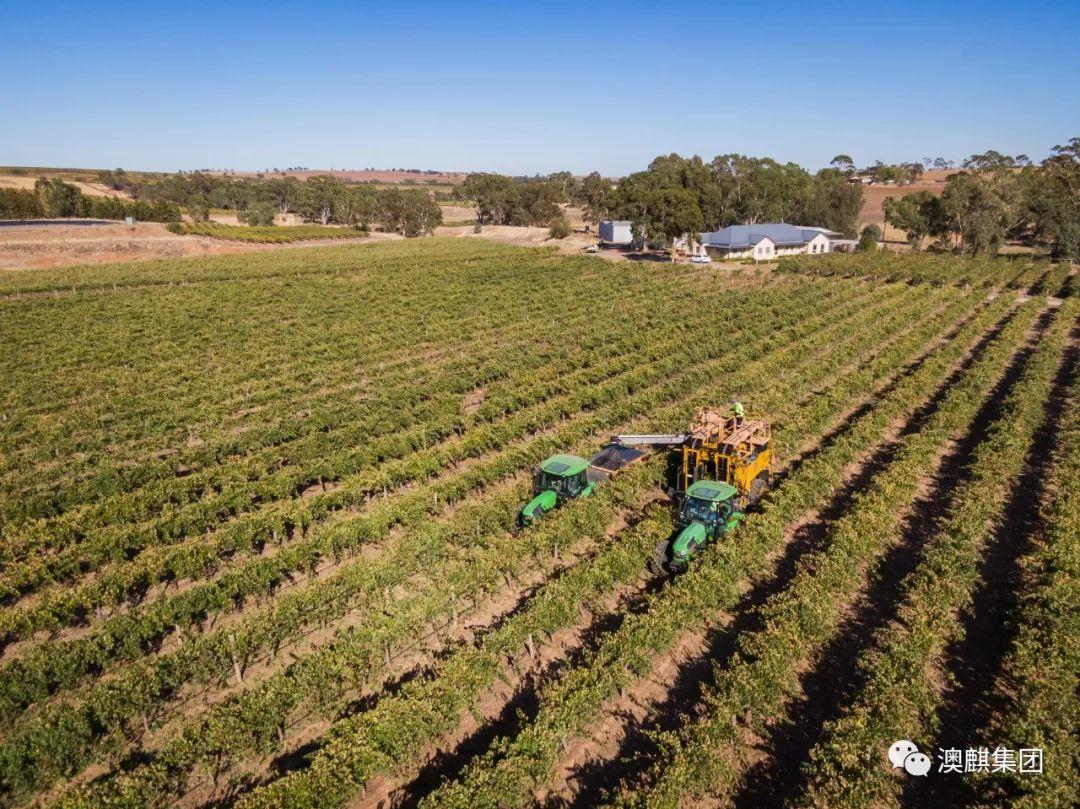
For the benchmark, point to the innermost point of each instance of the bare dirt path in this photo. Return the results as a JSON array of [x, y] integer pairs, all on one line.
[[37, 246]]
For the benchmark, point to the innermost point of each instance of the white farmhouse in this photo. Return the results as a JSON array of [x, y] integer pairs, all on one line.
[[767, 241]]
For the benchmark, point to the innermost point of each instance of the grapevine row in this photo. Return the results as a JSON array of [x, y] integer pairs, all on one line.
[[799, 620], [140, 683], [278, 234], [1042, 667], [846, 764], [335, 772], [536, 329], [1016, 273], [751, 373]]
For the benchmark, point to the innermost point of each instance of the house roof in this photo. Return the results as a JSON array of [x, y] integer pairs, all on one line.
[[617, 222], [780, 234]]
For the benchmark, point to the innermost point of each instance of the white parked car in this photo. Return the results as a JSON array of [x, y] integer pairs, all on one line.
[[700, 258]]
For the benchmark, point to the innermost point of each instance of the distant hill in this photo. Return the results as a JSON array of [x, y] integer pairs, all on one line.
[[375, 175]]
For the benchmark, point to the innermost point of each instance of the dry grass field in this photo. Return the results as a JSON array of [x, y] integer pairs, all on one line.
[[88, 188]]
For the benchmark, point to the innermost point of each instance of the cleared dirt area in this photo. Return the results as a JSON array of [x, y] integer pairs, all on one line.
[[45, 246], [41, 246], [457, 213], [523, 237], [874, 196], [90, 189]]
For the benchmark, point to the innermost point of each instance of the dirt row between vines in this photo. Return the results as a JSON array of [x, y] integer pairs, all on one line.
[[829, 683], [972, 701]]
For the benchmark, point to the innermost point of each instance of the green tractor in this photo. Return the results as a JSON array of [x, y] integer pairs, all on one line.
[[560, 478], [721, 465], [708, 511]]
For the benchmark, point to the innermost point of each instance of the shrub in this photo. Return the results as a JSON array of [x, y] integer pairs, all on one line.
[[162, 211], [559, 228], [868, 240], [16, 203], [258, 215], [199, 211]]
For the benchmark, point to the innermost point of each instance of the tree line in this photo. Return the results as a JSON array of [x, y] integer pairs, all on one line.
[[993, 198], [678, 195], [674, 196], [322, 199], [522, 201], [888, 172], [53, 198], [996, 198]]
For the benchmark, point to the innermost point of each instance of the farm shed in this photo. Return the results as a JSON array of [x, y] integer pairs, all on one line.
[[616, 231], [766, 241]]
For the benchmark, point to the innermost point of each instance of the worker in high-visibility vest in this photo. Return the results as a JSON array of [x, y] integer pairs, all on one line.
[[737, 412]]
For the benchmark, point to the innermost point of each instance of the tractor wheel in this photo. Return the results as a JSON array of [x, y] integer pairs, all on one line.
[[758, 487], [659, 562]]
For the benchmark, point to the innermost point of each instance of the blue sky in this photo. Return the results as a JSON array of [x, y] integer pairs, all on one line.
[[531, 87]]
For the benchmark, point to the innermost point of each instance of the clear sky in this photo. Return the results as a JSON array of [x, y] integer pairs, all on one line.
[[531, 87]]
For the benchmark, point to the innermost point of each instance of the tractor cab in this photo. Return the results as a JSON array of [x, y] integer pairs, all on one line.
[[709, 510], [559, 478]]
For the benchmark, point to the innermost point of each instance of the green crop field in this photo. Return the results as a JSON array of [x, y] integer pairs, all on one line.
[[275, 234], [259, 538]]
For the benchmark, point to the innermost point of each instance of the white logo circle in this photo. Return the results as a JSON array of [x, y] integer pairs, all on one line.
[[901, 750], [917, 763]]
